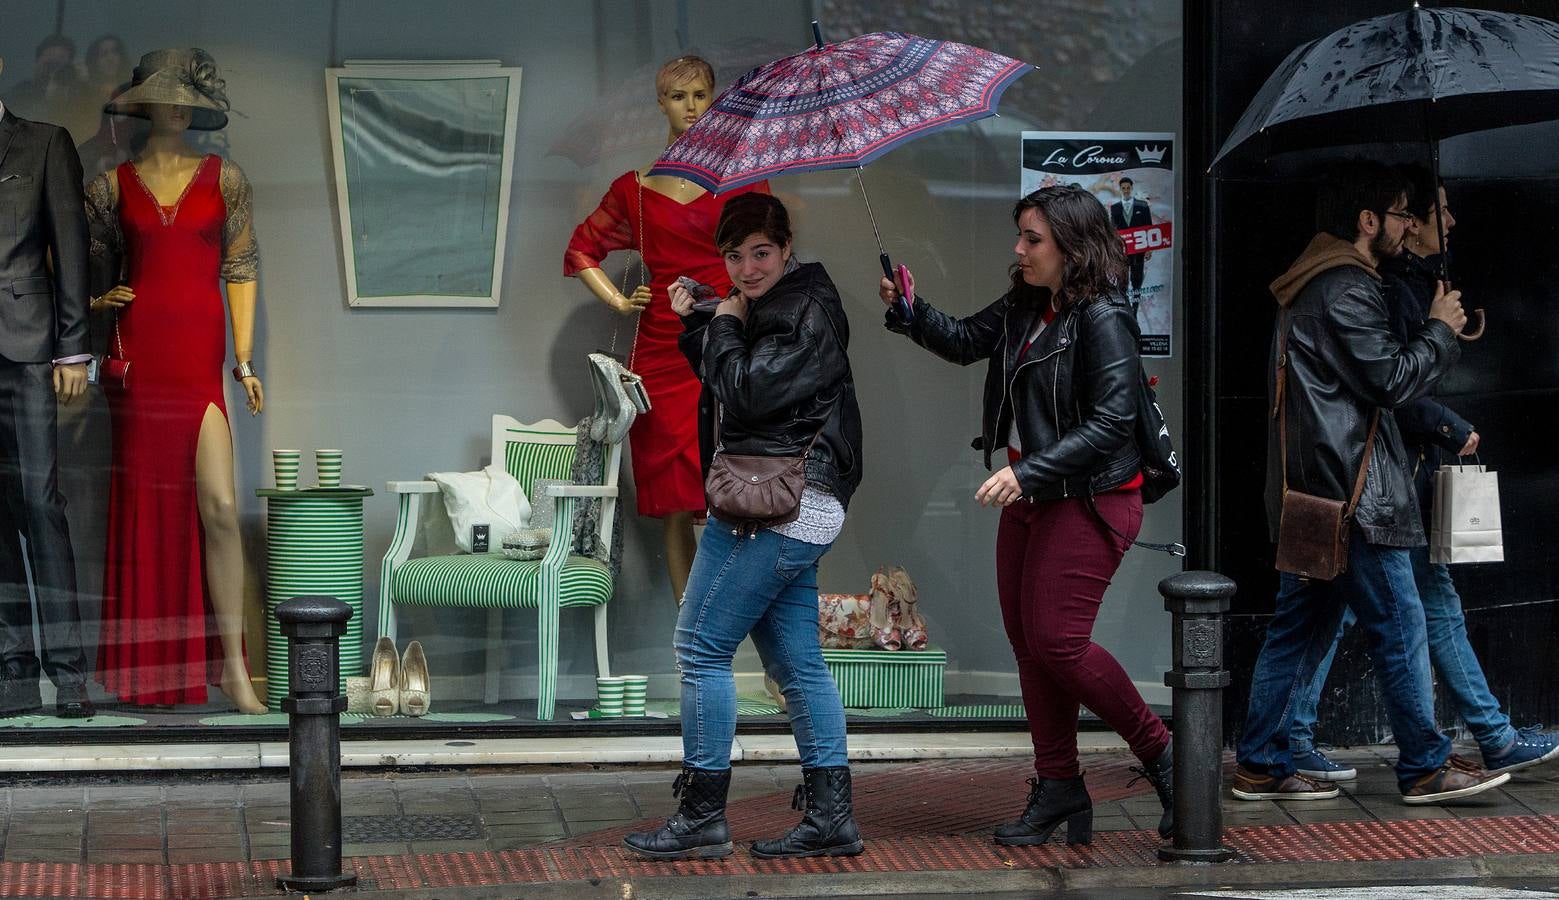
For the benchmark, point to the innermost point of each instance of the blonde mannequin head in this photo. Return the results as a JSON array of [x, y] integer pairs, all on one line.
[[684, 88]]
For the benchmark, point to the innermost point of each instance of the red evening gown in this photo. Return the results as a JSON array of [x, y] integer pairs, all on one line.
[[158, 644], [677, 239]]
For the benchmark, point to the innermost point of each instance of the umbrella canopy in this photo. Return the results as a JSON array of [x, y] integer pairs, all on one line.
[[1421, 73], [837, 106]]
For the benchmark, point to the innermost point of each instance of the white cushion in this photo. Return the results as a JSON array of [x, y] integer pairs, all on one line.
[[491, 497]]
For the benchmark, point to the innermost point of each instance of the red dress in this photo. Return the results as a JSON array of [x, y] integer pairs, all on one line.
[[159, 644], [677, 239]]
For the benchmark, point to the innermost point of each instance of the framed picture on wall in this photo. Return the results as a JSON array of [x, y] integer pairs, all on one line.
[[423, 157]]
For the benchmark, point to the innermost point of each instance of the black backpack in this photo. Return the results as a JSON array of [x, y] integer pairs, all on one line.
[[1160, 464]]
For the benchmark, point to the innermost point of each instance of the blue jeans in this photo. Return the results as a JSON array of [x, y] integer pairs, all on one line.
[[1449, 652], [1380, 589], [765, 586]]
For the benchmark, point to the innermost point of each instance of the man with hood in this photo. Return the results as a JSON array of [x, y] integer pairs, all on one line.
[[1344, 364]]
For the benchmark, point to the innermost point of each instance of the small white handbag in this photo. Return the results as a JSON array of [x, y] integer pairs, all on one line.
[[1465, 524]]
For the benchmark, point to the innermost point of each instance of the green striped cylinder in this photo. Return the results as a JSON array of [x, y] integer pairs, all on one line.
[[895, 679], [314, 547]]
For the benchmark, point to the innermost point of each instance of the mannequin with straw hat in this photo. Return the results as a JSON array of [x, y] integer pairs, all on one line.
[[179, 225]]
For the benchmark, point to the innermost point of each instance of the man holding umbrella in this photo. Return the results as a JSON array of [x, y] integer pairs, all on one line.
[[1336, 363]]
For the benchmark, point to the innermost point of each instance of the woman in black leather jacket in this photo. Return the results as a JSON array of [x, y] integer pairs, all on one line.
[[773, 357], [1060, 404]]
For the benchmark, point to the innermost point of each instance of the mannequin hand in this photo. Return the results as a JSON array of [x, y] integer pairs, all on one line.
[[734, 305], [887, 290], [1001, 489], [70, 381], [256, 395], [633, 303], [681, 299], [1471, 446], [117, 297]]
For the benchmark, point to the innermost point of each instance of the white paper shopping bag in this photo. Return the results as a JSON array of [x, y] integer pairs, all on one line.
[[1465, 519]]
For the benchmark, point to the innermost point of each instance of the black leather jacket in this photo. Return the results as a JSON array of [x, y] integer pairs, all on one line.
[[1344, 362], [784, 375], [1073, 392]]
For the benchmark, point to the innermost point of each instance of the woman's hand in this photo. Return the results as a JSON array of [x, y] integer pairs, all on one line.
[[117, 297], [734, 305], [255, 393], [888, 291], [1001, 489], [681, 299], [633, 303]]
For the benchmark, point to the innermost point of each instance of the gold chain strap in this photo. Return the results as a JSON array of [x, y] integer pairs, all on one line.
[[616, 326]]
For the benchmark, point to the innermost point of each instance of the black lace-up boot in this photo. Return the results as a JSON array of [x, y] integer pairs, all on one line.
[[698, 829], [1051, 802], [827, 824], [1161, 774]]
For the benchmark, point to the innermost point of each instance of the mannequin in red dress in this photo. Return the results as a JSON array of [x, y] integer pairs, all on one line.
[[174, 398], [671, 221]]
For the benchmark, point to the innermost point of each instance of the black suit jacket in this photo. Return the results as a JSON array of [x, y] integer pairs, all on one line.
[[43, 316], [1140, 214]]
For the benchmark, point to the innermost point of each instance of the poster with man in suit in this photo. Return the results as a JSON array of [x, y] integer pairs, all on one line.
[[1133, 175]]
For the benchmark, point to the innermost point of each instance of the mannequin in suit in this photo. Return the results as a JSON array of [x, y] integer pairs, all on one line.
[[1129, 213], [43, 356]]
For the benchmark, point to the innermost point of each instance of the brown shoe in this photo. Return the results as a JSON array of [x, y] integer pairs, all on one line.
[[1249, 785], [1458, 778]]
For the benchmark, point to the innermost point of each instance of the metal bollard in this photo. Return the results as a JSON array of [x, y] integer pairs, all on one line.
[[313, 626], [1197, 602]]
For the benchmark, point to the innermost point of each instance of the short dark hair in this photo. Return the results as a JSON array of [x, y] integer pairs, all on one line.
[[55, 40], [1080, 226], [752, 213], [1422, 190], [1126, 179], [1351, 187]]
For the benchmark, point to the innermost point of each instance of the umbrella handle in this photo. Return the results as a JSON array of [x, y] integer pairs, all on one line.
[[902, 304], [1471, 334]]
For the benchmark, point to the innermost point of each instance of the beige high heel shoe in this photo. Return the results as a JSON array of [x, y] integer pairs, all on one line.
[[415, 698], [384, 679]]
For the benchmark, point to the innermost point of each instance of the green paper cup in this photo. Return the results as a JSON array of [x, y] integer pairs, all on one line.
[[286, 462], [609, 696], [327, 468], [635, 689]]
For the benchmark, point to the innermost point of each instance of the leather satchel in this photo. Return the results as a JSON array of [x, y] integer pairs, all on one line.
[[1313, 531], [755, 492]]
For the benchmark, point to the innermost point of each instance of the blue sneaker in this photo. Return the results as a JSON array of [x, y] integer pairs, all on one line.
[[1530, 748], [1314, 764]]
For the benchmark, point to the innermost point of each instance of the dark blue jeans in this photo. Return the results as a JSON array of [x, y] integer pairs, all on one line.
[[1449, 652], [1379, 587], [765, 586]]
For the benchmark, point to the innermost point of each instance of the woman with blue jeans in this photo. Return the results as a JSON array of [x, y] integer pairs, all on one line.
[[773, 357], [1434, 435]]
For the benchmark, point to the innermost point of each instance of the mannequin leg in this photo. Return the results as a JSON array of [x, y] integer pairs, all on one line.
[[681, 547], [216, 497]]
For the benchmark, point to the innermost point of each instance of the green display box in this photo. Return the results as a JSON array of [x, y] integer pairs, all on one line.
[[897, 679]]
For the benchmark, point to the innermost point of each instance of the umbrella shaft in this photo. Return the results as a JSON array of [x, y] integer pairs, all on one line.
[[875, 233]]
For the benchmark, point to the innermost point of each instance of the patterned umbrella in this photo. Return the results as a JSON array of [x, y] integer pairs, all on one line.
[[837, 106]]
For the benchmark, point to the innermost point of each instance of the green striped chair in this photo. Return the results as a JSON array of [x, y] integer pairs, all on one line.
[[421, 568]]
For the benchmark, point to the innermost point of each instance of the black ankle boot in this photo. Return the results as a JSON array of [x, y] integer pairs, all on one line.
[[1161, 774], [828, 823], [1051, 801], [698, 829]]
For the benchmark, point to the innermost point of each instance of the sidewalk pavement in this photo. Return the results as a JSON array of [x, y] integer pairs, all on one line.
[[558, 832]]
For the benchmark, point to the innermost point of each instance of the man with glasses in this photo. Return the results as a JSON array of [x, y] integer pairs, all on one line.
[[1343, 364]]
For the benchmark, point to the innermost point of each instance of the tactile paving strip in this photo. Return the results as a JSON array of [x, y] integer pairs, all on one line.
[[1333, 842]]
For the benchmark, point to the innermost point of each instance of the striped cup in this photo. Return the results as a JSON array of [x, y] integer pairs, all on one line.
[[635, 690], [609, 696], [286, 462], [327, 468]]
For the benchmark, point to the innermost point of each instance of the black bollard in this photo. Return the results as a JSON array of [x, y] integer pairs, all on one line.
[[313, 626], [1197, 602]]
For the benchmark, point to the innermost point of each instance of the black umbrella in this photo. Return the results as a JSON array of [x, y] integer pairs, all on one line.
[[1421, 74]]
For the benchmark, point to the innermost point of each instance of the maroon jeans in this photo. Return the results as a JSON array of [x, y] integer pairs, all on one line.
[[1053, 563]]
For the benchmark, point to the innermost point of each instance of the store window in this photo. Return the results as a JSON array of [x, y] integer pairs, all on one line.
[[427, 441]]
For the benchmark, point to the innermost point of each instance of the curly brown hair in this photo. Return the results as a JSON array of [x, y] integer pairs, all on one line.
[[1080, 226]]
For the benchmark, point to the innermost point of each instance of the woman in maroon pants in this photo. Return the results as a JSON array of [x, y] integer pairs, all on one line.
[[1060, 399]]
